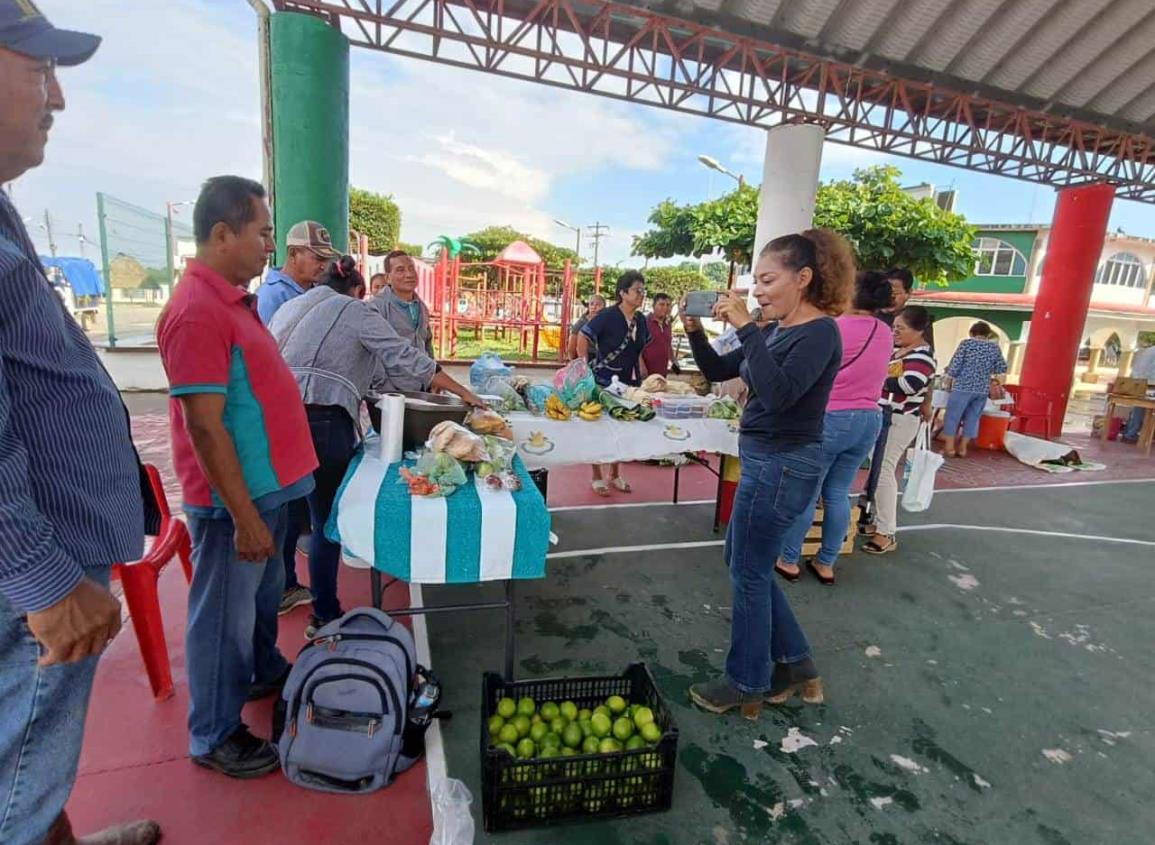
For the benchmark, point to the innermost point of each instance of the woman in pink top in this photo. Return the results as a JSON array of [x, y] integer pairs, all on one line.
[[853, 420]]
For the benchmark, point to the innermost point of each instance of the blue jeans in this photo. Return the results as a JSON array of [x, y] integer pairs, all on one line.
[[876, 465], [967, 409], [335, 442], [774, 488], [1134, 424], [298, 524], [231, 640], [848, 437], [41, 727]]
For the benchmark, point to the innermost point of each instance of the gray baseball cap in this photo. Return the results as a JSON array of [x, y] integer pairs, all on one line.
[[25, 30]]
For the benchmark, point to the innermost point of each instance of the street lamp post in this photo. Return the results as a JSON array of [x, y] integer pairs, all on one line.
[[171, 238], [713, 164], [578, 231]]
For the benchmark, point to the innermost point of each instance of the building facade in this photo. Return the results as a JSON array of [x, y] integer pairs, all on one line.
[[1001, 290]]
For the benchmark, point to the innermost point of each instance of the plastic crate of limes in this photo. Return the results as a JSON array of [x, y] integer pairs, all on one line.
[[568, 749]]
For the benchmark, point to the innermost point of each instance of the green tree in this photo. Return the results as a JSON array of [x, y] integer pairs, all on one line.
[[717, 272], [493, 239], [416, 250], [678, 281], [887, 226], [377, 216]]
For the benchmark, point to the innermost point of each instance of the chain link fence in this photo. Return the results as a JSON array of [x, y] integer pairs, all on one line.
[[142, 254]]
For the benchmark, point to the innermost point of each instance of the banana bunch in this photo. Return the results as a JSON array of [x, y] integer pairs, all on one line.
[[555, 409], [590, 411]]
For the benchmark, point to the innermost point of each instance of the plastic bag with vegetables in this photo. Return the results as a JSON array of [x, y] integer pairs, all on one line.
[[504, 390], [499, 455], [724, 409], [536, 395], [443, 470], [575, 383]]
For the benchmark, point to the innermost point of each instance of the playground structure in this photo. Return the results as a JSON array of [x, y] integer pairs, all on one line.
[[516, 295]]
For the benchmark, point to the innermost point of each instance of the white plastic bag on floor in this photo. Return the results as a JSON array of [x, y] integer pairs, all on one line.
[[924, 464], [452, 819]]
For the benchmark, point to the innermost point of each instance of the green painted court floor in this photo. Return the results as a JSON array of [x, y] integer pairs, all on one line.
[[982, 687]]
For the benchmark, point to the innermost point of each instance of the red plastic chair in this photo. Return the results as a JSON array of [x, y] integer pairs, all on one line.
[[139, 580], [1030, 405]]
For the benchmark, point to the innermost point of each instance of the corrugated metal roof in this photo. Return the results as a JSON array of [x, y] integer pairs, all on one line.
[[1090, 59]]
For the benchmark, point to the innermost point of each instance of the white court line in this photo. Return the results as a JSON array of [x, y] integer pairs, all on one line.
[[614, 550], [1050, 486], [998, 529], [436, 769], [562, 508]]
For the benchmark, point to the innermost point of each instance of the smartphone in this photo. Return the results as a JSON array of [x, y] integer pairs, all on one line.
[[700, 303]]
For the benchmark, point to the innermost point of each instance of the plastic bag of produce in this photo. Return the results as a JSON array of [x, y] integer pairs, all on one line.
[[620, 408], [506, 392], [499, 455], [442, 469], [487, 421], [724, 409], [536, 395], [488, 366], [456, 440], [452, 819], [575, 383]]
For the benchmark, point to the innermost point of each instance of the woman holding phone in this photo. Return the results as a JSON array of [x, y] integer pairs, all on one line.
[[802, 281]]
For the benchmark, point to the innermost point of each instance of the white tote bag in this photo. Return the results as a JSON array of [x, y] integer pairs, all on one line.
[[924, 464]]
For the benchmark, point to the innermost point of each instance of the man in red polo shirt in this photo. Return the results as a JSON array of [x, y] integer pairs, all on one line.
[[242, 450], [660, 350]]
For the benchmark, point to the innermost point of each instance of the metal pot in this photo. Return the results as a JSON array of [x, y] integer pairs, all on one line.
[[423, 412]]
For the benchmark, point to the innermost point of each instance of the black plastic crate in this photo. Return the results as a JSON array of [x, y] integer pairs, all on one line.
[[519, 793]]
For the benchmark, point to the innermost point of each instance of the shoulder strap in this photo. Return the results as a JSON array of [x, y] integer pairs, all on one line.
[[865, 346]]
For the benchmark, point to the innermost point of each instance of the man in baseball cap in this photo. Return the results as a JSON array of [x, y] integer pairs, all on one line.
[[309, 249], [66, 515]]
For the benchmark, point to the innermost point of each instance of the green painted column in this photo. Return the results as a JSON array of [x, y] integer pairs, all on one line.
[[309, 99]]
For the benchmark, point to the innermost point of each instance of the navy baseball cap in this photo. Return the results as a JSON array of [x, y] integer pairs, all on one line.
[[25, 30]]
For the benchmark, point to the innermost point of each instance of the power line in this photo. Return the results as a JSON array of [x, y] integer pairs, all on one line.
[[597, 232]]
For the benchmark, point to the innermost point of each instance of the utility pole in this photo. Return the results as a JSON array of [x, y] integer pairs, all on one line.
[[48, 229], [80, 237], [599, 231]]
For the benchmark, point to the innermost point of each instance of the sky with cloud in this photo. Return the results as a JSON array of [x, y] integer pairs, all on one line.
[[173, 96]]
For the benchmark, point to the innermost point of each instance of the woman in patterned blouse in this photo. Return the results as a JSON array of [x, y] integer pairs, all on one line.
[[976, 367]]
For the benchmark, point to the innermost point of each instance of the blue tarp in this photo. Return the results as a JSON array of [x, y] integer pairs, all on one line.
[[80, 273]]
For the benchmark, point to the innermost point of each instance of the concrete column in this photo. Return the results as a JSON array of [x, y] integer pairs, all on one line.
[[789, 181], [1125, 359], [1095, 359], [1076, 240], [1015, 357], [309, 81]]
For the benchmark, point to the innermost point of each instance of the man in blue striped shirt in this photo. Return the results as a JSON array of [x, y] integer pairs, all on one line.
[[70, 503]]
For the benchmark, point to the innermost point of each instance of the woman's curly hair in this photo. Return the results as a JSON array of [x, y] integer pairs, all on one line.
[[829, 257]]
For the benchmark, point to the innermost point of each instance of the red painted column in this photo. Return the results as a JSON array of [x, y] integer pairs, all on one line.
[[1076, 241]]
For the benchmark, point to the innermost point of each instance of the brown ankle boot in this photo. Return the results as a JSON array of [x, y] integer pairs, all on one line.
[[133, 833]]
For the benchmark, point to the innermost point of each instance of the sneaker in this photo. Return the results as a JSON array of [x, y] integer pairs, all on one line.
[[294, 597], [273, 687], [242, 755], [315, 624]]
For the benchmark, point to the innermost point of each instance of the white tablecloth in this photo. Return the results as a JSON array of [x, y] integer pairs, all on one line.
[[545, 443]]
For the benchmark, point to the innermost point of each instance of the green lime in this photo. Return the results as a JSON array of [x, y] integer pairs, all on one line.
[[526, 748], [566, 751], [635, 742], [632, 709], [590, 745], [623, 728], [508, 733], [572, 736], [552, 740], [558, 725], [505, 746], [617, 704], [651, 732], [522, 723], [535, 719], [549, 751], [601, 725], [569, 710], [549, 711], [601, 708], [586, 727], [506, 708], [536, 732], [643, 716], [495, 725], [584, 714], [526, 706], [609, 745]]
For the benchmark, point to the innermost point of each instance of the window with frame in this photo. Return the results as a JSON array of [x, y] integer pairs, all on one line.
[[1123, 270], [995, 257]]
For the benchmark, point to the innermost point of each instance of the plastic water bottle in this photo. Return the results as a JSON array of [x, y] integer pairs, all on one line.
[[426, 697]]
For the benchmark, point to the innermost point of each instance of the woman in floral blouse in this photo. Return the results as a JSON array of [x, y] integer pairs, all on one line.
[[976, 367]]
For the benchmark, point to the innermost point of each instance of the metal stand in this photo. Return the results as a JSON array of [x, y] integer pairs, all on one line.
[[378, 590]]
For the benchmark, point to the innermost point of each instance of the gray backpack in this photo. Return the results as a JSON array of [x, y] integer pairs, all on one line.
[[346, 706]]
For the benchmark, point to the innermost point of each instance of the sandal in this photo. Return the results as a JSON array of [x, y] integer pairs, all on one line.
[[829, 582], [787, 574], [876, 548], [600, 488], [621, 484], [867, 529]]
